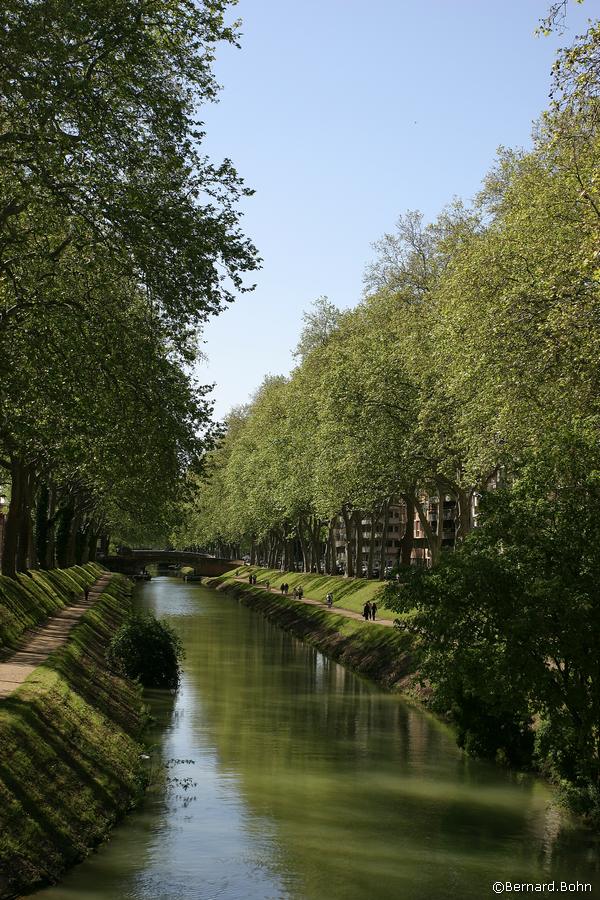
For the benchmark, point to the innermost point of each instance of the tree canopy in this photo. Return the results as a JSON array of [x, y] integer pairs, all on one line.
[[118, 239]]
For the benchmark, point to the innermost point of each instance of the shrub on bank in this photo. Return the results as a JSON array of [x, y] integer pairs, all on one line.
[[148, 650], [509, 624]]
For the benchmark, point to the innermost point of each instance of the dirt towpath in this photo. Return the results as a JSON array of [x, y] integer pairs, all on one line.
[[348, 613], [40, 642]]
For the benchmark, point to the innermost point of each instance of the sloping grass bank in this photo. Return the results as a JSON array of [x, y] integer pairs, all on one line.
[[70, 764], [349, 593], [28, 600], [379, 652]]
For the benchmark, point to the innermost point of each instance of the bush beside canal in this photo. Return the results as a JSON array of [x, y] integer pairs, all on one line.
[[375, 651], [147, 650], [71, 763]]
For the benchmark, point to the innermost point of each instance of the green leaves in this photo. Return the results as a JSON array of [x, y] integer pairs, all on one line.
[[510, 624], [118, 239]]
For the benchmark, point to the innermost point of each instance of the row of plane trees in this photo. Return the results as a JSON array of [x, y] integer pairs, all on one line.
[[118, 239], [473, 350]]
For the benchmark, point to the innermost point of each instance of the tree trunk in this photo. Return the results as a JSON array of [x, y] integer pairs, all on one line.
[[32, 555], [25, 544], [105, 544], [42, 524], [316, 543], [12, 523], [464, 521], [63, 534], [71, 553], [92, 541], [358, 543], [434, 538], [330, 559], [83, 549], [348, 525], [384, 531], [305, 557], [289, 562], [49, 559], [309, 552], [372, 541], [408, 538]]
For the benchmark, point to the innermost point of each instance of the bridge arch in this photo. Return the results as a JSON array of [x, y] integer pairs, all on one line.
[[133, 561]]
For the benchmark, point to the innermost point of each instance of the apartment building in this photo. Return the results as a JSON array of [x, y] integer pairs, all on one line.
[[433, 507], [421, 555], [394, 532]]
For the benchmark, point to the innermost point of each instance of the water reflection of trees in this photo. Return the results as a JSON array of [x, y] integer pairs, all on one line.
[[333, 761]]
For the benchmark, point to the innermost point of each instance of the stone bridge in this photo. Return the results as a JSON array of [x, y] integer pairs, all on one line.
[[133, 561]]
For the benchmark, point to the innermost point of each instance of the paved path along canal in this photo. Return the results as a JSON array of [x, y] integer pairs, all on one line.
[[40, 642], [285, 776], [339, 610]]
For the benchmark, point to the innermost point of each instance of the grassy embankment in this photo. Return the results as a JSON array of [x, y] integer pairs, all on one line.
[[376, 651], [70, 764], [29, 600], [349, 593]]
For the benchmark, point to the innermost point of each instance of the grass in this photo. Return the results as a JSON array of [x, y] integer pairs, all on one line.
[[348, 593], [29, 599], [70, 763]]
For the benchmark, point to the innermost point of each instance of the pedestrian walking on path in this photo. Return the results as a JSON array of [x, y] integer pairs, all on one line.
[[43, 640], [347, 613], [367, 611], [373, 610], [329, 599]]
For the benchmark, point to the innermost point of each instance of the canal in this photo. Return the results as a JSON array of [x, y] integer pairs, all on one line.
[[285, 776]]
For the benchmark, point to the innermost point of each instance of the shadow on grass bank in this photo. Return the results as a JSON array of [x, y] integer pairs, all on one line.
[[71, 762]]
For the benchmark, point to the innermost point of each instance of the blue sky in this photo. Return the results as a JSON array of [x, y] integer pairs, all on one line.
[[341, 115]]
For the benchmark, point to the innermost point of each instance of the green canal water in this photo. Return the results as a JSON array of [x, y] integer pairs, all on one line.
[[288, 777]]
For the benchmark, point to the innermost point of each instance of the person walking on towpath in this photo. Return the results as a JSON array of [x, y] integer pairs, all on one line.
[[373, 610], [300, 592], [329, 599], [86, 592], [367, 611], [282, 588]]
